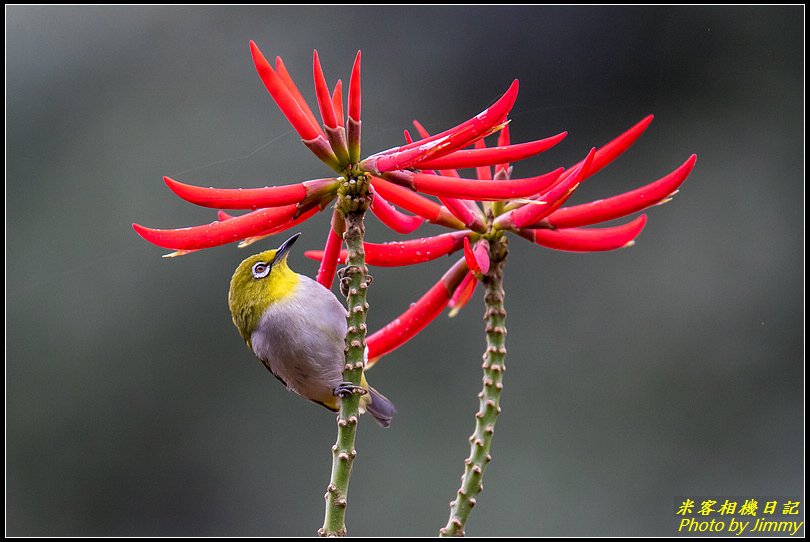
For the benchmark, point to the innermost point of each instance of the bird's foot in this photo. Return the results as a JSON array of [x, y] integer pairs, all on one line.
[[347, 389], [345, 279], [344, 274]]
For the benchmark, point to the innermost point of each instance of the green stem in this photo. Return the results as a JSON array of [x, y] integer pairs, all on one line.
[[489, 408], [352, 203]]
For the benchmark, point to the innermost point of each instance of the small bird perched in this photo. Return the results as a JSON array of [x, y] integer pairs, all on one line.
[[297, 328]]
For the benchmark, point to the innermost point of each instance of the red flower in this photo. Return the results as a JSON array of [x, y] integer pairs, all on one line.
[[336, 141], [540, 217], [532, 206]]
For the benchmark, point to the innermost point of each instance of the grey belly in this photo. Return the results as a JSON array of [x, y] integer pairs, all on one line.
[[301, 351]]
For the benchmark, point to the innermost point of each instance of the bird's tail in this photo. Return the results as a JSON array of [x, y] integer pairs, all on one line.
[[380, 407]]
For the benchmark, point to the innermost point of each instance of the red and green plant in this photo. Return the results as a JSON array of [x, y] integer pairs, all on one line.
[[479, 211]]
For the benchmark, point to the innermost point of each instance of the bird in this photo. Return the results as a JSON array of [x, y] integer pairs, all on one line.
[[297, 329]]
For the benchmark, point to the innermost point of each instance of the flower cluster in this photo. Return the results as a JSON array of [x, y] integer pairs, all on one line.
[[336, 142], [478, 211], [541, 218]]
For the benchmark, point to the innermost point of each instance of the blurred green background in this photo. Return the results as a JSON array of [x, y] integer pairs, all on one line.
[[673, 368]]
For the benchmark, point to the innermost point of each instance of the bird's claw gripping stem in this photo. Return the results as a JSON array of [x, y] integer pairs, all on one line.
[[344, 274], [347, 389]]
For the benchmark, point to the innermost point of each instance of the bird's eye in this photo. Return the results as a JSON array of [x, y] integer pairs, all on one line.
[[260, 270]]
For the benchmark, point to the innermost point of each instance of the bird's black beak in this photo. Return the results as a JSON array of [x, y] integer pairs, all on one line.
[[281, 252]]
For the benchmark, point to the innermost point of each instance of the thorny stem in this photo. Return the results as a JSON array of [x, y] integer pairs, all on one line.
[[353, 200], [489, 408]]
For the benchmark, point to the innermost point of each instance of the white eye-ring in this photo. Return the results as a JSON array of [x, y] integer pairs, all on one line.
[[260, 270]]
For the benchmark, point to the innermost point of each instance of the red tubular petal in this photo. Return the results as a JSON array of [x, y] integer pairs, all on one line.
[[456, 138], [588, 239], [504, 141], [482, 190], [302, 217], [326, 272], [407, 199], [337, 101], [468, 158], [413, 251], [481, 252], [503, 136], [469, 215], [391, 217], [416, 204], [417, 317], [222, 215], [622, 204], [612, 150], [322, 93], [354, 90], [463, 294], [283, 97], [353, 124], [484, 173], [431, 138], [553, 199], [469, 257], [402, 253], [284, 75], [477, 258], [219, 233], [284, 226], [424, 134], [407, 135], [249, 198]]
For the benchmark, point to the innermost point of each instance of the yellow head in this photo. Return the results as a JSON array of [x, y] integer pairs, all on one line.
[[259, 281]]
